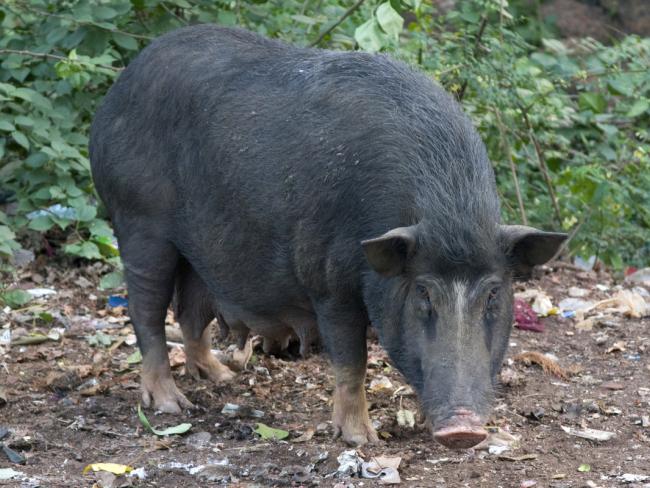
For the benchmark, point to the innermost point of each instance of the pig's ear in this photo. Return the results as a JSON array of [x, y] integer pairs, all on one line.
[[389, 253], [527, 247]]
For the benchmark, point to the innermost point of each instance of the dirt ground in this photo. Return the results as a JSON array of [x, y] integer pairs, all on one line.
[[72, 401]]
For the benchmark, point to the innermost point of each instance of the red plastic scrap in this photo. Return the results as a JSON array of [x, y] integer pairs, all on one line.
[[525, 317]]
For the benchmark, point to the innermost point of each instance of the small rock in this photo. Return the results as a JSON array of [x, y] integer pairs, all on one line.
[[200, 440]]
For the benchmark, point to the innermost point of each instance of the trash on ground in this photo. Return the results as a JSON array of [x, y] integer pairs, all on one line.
[[633, 478], [589, 434], [10, 474], [114, 468], [498, 441], [41, 292], [405, 418], [525, 317], [385, 469], [349, 463], [12, 455], [233, 410], [115, 301], [380, 384]]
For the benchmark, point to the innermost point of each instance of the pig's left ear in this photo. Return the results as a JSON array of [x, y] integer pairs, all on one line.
[[389, 253], [526, 247]]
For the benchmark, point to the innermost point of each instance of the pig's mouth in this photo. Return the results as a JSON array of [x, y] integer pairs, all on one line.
[[462, 430]]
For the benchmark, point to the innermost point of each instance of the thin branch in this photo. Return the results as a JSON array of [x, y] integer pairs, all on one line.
[[542, 164], [481, 30], [513, 169], [57, 58], [572, 234], [347, 13], [81, 22], [173, 14]]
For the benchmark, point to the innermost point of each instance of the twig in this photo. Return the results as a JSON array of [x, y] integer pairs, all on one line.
[[347, 13], [176, 16], [56, 57], [542, 164], [481, 30], [513, 169], [572, 234]]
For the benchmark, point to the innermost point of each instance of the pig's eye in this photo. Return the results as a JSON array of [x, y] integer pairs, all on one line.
[[424, 303], [493, 297], [422, 292]]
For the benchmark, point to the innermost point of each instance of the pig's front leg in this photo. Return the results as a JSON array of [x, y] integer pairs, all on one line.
[[343, 328]]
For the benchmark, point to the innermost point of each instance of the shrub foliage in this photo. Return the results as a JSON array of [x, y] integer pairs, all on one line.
[[566, 123]]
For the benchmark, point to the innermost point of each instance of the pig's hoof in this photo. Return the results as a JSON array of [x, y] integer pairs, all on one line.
[[165, 396], [211, 368], [357, 435]]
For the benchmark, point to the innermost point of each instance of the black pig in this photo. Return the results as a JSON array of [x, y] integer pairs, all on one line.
[[340, 185]]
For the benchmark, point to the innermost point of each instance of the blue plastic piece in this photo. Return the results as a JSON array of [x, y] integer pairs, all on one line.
[[117, 301]]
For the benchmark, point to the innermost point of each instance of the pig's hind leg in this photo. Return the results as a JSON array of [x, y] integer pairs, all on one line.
[[194, 312], [150, 265]]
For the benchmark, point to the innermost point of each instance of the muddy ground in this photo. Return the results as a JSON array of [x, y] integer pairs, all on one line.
[[72, 401]]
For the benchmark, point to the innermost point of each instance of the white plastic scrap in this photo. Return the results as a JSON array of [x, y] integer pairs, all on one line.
[[41, 292], [541, 302], [633, 478], [590, 434], [10, 474], [498, 442], [349, 462], [382, 468], [140, 473]]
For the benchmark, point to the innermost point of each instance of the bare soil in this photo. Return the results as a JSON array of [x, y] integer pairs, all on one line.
[[69, 403]]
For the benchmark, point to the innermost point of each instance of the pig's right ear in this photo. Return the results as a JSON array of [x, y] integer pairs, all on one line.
[[389, 253], [527, 247]]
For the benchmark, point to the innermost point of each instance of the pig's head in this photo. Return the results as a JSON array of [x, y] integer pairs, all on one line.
[[445, 320]]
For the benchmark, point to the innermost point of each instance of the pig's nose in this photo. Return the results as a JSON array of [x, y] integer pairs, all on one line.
[[462, 430]]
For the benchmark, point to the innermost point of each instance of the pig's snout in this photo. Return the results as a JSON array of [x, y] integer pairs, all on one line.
[[462, 430]]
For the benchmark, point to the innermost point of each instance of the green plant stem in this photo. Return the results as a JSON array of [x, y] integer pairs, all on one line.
[[513, 169], [479, 36], [541, 160], [57, 58], [347, 13]]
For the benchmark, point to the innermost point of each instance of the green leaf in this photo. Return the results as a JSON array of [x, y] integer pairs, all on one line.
[[389, 20], [177, 429], [584, 468], [640, 107], [99, 339], [111, 280], [101, 12], [592, 101], [6, 126], [20, 138], [126, 42], [135, 357], [266, 432], [84, 249], [369, 36], [41, 224], [15, 298]]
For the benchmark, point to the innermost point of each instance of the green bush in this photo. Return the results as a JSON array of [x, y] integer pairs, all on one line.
[[566, 125]]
